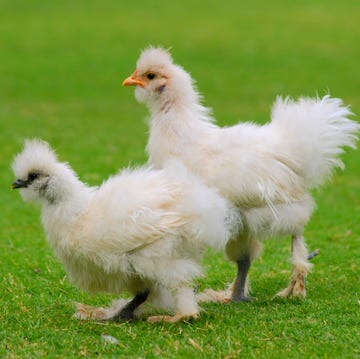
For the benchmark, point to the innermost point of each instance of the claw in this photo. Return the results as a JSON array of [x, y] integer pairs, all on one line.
[[295, 288], [171, 319], [218, 296], [87, 312]]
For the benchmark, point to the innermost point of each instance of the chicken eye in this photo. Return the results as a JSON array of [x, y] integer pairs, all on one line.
[[150, 76], [33, 176]]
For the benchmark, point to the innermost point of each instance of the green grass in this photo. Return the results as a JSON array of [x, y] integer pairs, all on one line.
[[61, 68]]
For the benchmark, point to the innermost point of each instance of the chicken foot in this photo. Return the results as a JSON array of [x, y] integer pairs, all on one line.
[[120, 311], [126, 314], [171, 318], [186, 308], [301, 267], [237, 292]]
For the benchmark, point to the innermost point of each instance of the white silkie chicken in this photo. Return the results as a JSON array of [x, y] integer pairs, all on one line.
[[266, 171], [142, 231]]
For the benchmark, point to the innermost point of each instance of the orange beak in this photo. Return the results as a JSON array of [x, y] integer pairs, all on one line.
[[133, 80]]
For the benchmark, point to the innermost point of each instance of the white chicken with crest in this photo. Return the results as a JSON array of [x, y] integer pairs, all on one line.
[[143, 231], [266, 171]]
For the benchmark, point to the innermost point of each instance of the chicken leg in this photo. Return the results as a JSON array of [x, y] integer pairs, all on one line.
[[126, 314], [118, 312], [239, 292], [301, 267], [186, 308]]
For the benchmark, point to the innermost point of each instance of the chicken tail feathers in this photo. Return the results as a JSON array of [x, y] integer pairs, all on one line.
[[316, 132]]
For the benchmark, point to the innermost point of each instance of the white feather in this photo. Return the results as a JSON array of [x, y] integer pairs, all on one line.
[[141, 229], [266, 171]]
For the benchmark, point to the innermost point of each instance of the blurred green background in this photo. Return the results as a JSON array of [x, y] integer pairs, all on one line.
[[61, 68]]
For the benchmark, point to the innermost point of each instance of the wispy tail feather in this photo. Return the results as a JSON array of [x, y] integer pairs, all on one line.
[[316, 131]]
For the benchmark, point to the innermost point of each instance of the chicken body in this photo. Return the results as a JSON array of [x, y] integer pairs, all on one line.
[[266, 171], [142, 231]]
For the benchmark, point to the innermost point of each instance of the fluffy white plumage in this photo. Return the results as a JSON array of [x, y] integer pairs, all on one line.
[[142, 231], [266, 171]]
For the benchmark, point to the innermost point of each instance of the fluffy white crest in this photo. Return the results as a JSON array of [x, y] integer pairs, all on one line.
[[173, 87], [55, 180], [36, 155], [154, 58]]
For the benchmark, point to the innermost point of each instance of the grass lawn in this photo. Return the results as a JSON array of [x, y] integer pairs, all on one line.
[[61, 68]]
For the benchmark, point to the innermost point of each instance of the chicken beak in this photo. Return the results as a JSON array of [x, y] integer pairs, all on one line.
[[19, 183], [133, 80]]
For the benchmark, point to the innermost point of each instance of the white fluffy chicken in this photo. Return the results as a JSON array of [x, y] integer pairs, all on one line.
[[266, 171], [142, 231]]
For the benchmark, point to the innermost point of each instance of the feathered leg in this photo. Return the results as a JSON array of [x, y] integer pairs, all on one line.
[[186, 308], [119, 311], [126, 314], [301, 267]]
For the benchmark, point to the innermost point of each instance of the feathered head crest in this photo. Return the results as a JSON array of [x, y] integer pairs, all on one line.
[[154, 57], [36, 154]]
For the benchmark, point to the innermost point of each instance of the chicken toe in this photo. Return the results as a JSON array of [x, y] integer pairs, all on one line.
[[218, 296], [171, 319], [296, 288]]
